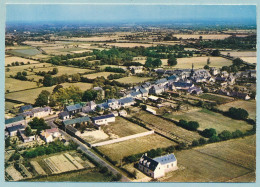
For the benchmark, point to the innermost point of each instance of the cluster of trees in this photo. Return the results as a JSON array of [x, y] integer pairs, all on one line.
[[132, 64], [116, 70], [116, 76], [21, 76], [17, 63], [172, 61], [209, 132], [90, 95], [237, 113], [232, 42], [58, 60], [39, 124], [238, 65], [152, 153], [191, 125], [53, 147], [152, 63], [43, 73], [49, 80], [42, 99]]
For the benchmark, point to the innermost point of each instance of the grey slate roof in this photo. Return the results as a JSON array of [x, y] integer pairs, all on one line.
[[165, 159], [63, 114], [73, 107], [25, 107], [125, 100], [103, 105], [182, 84], [133, 94], [161, 81], [148, 162], [143, 91], [15, 119], [111, 100], [103, 117], [76, 120], [15, 128]]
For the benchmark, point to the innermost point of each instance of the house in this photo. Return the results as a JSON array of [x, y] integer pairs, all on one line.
[[12, 131], [240, 95], [115, 113], [151, 110], [64, 115], [48, 135], [153, 98], [72, 122], [24, 138], [144, 92], [182, 85], [161, 82], [123, 113], [41, 111], [18, 120], [214, 71], [174, 78], [73, 109], [195, 90], [158, 166], [125, 102], [136, 94], [113, 103], [25, 108], [103, 120], [103, 106], [156, 89]]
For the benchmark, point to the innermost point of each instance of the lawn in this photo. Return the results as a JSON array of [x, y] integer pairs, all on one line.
[[16, 85], [220, 99], [122, 127], [167, 127], [199, 62], [133, 79], [119, 150], [100, 74], [209, 119], [249, 106]]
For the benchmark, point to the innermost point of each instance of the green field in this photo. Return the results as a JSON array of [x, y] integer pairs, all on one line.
[[64, 70], [77, 176], [100, 74], [25, 52], [117, 151], [16, 85], [219, 99], [82, 85], [249, 106], [133, 79], [28, 96], [209, 119], [122, 127], [167, 127], [9, 105]]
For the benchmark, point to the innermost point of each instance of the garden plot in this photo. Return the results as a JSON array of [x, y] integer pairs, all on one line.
[[36, 166], [16, 175]]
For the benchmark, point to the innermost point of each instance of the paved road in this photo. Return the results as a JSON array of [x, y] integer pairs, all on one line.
[[86, 150]]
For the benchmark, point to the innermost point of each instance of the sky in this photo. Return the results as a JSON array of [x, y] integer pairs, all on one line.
[[129, 13]]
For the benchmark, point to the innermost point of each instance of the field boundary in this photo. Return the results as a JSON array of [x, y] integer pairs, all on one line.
[[122, 139]]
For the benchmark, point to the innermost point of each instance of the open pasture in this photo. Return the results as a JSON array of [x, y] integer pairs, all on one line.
[[204, 36], [130, 45], [25, 52], [9, 105], [168, 127], [252, 60], [99, 74], [16, 85], [209, 119], [122, 127], [82, 85], [117, 151], [27, 96], [94, 38], [240, 53], [249, 106], [199, 62], [133, 79], [195, 166], [219, 99], [64, 70], [10, 59]]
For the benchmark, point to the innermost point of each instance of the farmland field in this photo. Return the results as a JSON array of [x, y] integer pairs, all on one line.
[[220, 99], [64, 70], [209, 119], [10, 59], [134, 146], [82, 85], [249, 106], [166, 126], [25, 52], [132, 79], [199, 62], [16, 85], [240, 53], [249, 59], [122, 127], [204, 36], [129, 44], [100, 74], [77, 176], [28, 96]]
